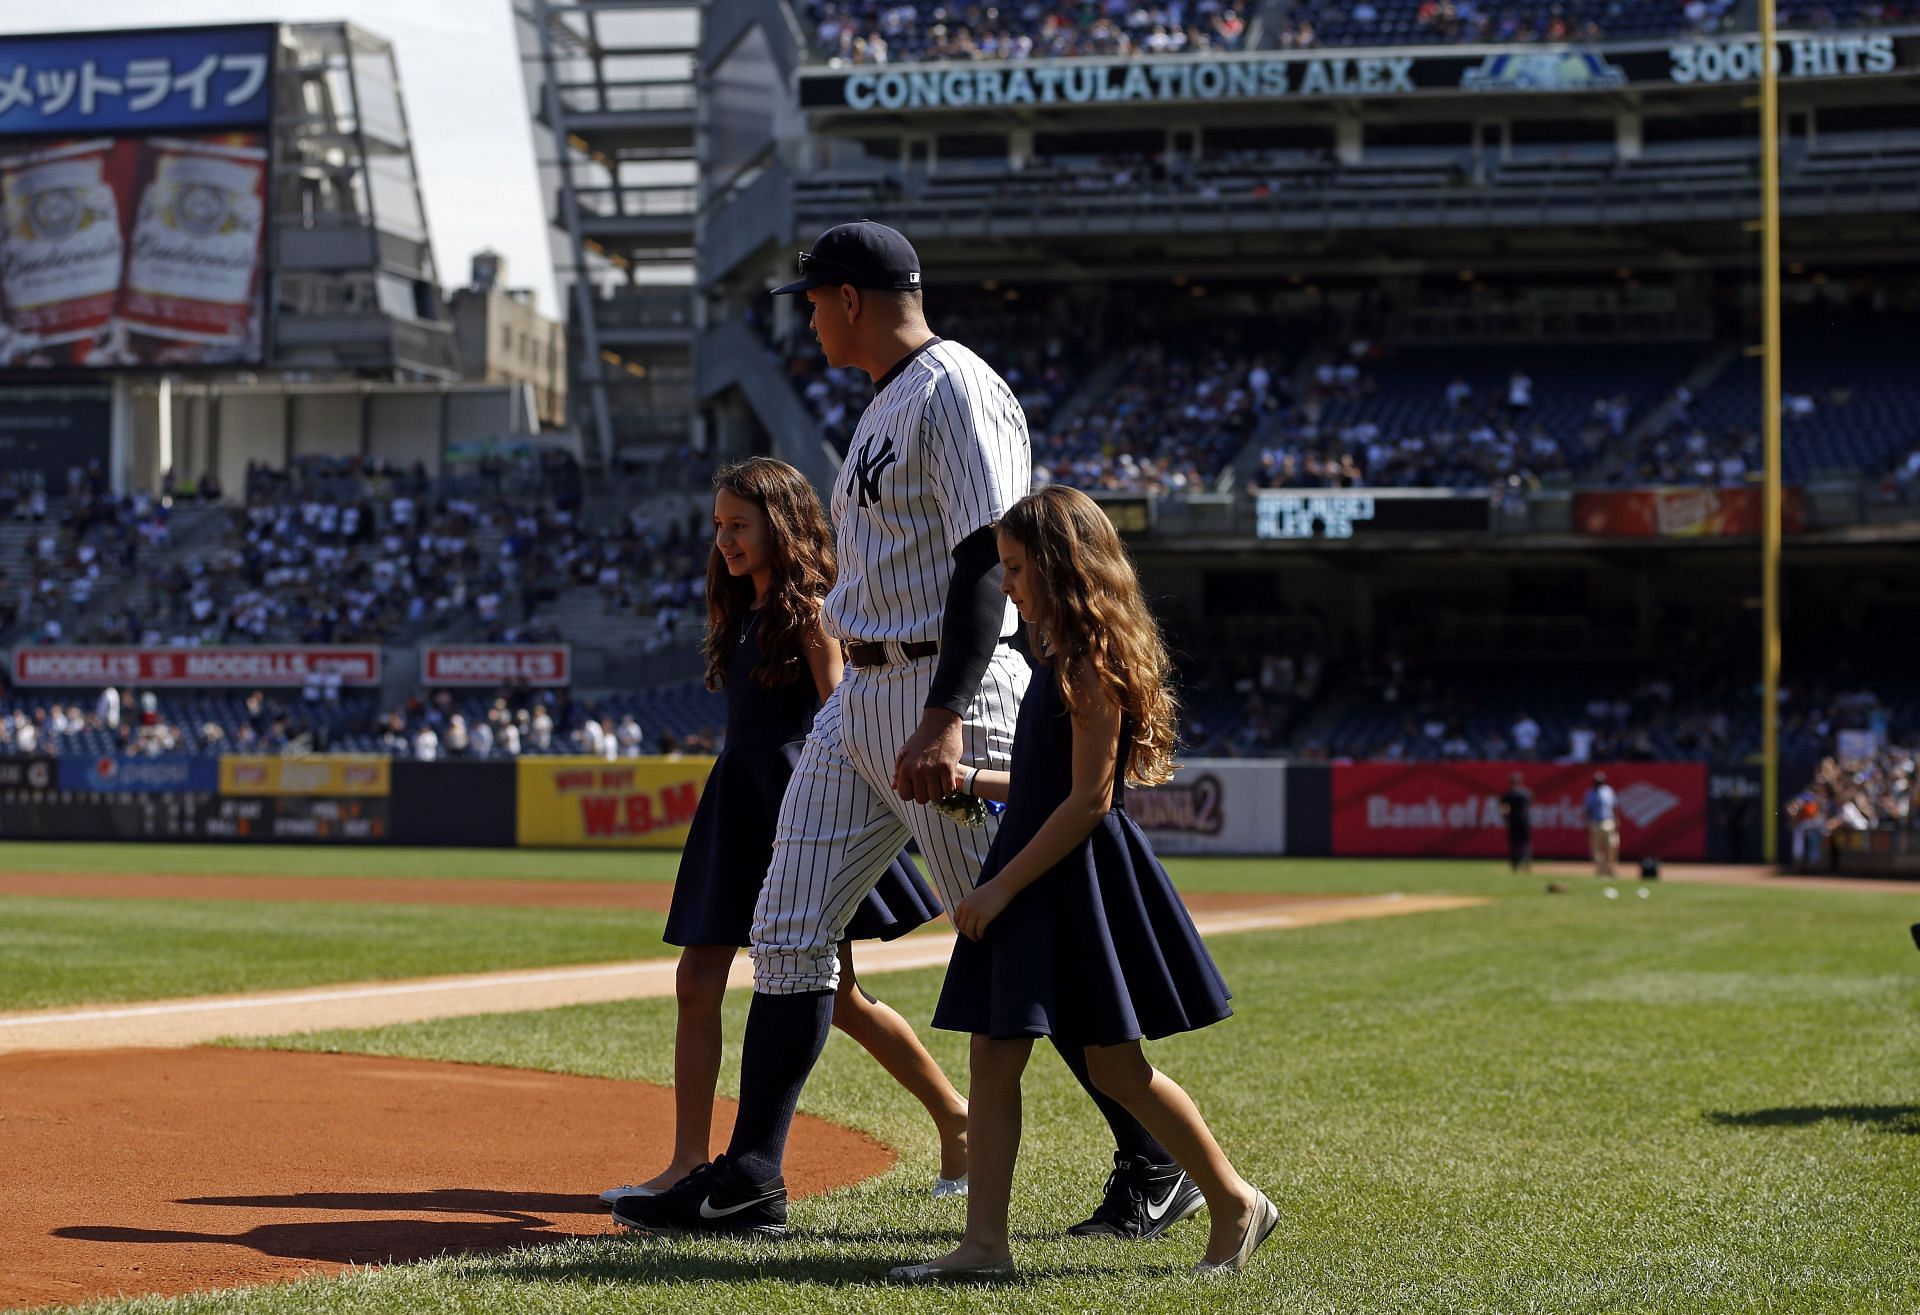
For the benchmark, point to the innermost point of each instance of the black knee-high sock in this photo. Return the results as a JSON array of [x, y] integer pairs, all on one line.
[[785, 1034], [1129, 1137]]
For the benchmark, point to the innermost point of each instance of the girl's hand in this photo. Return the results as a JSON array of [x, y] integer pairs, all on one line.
[[978, 909]]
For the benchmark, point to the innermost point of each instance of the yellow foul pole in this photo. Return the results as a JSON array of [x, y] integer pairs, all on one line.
[[1770, 420]]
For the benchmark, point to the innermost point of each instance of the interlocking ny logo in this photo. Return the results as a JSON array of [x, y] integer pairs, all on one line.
[[1644, 803], [867, 468]]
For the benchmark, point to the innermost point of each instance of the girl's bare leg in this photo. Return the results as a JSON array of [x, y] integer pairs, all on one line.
[[1170, 1115], [993, 1113], [700, 984], [891, 1040]]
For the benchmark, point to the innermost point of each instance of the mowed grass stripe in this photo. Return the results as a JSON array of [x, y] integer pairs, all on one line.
[[1551, 1105], [197, 1020], [61, 952], [70, 951]]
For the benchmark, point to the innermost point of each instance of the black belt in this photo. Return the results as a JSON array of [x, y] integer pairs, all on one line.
[[877, 655]]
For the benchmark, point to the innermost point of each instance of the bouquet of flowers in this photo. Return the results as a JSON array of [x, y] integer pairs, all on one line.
[[963, 808]]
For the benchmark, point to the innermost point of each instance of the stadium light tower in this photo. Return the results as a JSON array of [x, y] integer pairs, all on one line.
[[1770, 428]]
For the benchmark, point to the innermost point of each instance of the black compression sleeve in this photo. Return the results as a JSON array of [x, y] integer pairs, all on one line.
[[970, 627]]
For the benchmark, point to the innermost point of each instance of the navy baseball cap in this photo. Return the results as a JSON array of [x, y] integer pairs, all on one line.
[[863, 254]]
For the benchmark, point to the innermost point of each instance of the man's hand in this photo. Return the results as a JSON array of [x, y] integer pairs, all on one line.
[[982, 906], [928, 764]]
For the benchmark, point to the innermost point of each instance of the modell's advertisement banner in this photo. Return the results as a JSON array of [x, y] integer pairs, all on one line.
[[1682, 513], [1216, 806], [496, 664], [1452, 810], [133, 172], [195, 667], [645, 803]]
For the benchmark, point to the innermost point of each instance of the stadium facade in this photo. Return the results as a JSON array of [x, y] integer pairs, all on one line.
[[356, 287], [612, 93]]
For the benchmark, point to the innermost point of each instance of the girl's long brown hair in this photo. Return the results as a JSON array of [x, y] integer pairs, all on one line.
[[1094, 616], [803, 566]]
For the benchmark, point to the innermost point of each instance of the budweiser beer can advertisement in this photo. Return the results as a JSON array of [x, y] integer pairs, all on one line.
[[133, 194], [130, 253]]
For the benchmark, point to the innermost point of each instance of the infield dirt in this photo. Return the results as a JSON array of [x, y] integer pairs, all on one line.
[[170, 1171]]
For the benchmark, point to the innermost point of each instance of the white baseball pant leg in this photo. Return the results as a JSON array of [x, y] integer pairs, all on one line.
[[841, 822]]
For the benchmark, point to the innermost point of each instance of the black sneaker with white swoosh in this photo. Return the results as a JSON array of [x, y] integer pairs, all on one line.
[[715, 1198], [1143, 1200]]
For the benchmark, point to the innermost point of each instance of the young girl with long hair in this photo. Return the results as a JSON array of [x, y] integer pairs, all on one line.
[[1074, 930], [771, 566]]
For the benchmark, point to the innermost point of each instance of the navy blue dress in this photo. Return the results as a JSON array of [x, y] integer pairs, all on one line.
[[730, 843], [1098, 951]]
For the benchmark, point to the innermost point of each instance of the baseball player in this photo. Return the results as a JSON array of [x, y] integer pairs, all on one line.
[[940, 453]]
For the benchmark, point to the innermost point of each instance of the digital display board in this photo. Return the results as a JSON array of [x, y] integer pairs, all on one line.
[[133, 194], [1351, 513]]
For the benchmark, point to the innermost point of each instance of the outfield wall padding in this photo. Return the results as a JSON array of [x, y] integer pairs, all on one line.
[[454, 803], [593, 803], [1309, 809], [1451, 809], [1220, 806]]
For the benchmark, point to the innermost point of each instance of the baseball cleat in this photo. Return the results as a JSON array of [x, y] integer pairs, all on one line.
[[715, 1198], [1259, 1228], [1143, 1200], [613, 1194], [945, 1187]]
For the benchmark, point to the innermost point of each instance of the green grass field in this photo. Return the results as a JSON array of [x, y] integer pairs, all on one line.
[[338, 860], [73, 951], [1705, 1101]]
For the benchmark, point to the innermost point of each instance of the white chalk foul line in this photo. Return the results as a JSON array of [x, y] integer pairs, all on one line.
[[468, 983]]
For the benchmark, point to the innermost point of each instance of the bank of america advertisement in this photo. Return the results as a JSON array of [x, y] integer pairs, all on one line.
[[133, 190]]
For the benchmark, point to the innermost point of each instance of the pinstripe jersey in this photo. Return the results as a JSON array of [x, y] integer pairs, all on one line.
[[940, 452]]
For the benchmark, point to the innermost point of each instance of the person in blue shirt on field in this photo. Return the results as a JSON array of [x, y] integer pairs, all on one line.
[[1603, 826]]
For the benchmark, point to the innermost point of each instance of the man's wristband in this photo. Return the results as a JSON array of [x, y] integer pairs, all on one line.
[[968, 787]]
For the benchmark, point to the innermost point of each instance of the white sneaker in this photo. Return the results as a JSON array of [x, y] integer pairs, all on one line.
[[949, 1186], [613, 1194]]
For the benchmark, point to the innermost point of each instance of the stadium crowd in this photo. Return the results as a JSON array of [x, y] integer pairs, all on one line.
[[1344, 434], [1859, 792], [1825, 15], [337, 550], [855, 32], [77, 546], [1168, 425], [889, 31], [322, 717]]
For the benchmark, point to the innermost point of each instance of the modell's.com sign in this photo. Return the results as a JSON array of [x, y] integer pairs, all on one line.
[[188, 668], [497, 664]]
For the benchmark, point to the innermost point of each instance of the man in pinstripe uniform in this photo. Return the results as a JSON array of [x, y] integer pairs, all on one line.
[[940, 453]]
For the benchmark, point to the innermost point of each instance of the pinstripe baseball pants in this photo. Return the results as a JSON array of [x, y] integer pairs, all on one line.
[[841, 822]]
